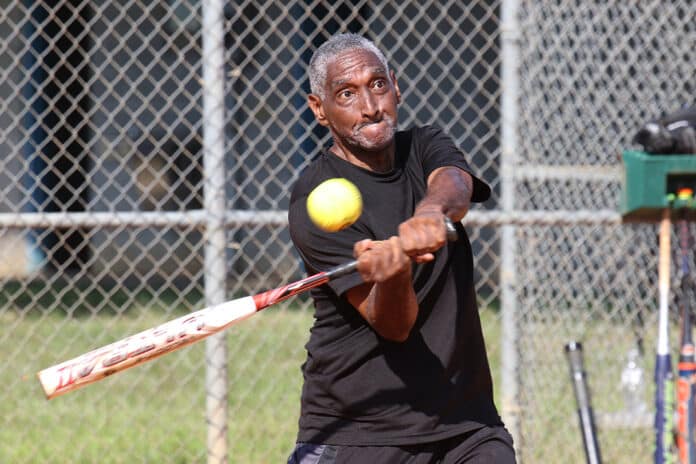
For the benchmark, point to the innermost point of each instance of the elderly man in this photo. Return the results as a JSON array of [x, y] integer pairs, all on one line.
[[396, 366]]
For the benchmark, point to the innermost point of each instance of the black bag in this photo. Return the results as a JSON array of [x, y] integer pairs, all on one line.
[[672, 134]]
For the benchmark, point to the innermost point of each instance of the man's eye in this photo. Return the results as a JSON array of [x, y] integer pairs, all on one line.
[[345, 94]]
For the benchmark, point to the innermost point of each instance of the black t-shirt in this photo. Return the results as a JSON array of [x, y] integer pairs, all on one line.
[[359, 388]]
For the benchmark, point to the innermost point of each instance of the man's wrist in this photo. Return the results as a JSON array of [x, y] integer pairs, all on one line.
[[429, 209]]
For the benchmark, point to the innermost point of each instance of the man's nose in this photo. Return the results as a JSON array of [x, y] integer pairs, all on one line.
[[370, 105]]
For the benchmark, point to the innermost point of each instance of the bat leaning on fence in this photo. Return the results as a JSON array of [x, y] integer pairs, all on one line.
[[664, 381], [578, 378], [686, 367], [157, 341]]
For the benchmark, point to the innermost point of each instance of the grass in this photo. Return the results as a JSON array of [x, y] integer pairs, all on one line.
[[551, 431], [156, 412]]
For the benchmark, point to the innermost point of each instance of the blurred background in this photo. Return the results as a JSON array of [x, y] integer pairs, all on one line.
[[147, 152]]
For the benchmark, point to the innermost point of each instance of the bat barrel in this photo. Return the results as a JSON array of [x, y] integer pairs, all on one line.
[[664, 410], [664, 380], [578, 376], [685, 406]]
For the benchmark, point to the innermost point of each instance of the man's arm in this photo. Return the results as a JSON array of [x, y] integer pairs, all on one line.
[[387, 300], [449, 194]]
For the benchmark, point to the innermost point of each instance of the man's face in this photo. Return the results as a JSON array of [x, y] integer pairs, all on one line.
[[360, 104]]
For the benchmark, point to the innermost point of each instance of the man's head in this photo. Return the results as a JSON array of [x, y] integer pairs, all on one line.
[[354, 93], [329, 50]]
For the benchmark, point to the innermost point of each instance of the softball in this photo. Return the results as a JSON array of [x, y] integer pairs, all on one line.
[[334, 204]]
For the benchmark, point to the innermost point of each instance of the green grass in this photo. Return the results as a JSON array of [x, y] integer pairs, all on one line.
[[550, 430], [156, 412]]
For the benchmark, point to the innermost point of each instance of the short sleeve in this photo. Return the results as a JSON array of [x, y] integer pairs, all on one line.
[[322, 250], [437, 149]]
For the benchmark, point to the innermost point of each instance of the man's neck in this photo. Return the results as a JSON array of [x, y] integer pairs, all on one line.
[[379, 161]]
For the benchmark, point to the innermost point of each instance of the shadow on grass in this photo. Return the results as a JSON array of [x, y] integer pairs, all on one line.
[[83, 299]]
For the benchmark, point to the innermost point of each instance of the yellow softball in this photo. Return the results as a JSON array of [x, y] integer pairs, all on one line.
[[334, 204]]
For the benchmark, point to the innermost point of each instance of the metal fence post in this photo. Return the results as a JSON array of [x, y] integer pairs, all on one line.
[[213, 65], [508, 274], [137, 88]]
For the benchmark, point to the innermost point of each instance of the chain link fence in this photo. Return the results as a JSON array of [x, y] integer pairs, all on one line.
[[148, 152]]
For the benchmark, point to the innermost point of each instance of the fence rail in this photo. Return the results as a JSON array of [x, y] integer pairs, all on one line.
[[197, 218], [149, 148]]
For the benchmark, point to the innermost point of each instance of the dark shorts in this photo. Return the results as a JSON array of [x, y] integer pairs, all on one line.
[[483, 446]]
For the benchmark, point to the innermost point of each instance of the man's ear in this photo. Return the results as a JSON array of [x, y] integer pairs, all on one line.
[[396, 85], [317, 108]]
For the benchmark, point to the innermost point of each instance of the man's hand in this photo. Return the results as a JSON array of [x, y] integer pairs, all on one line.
[[386, 300], [423, 234], [379, 261], [448, 195]]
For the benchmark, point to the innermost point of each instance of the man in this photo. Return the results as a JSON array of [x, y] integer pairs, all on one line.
[[396, 366]]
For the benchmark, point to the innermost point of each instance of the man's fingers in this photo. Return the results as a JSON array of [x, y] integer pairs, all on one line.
[[424, 258], [423, 234], [418, 239], [382, 260], [362, 246]]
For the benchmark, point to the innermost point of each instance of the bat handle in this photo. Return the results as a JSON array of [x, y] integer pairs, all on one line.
[[351, 266], [452, 234], [343, 269]]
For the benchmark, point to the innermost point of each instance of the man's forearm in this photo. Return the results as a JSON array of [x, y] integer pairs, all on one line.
[[449, 193], [392, 307], [387, 300]]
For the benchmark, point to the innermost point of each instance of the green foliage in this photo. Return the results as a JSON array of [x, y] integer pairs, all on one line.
[[156, 412]]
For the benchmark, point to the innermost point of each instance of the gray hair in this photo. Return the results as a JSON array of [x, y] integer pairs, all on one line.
[[329, 50]]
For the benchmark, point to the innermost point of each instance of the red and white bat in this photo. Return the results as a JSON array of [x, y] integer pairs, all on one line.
[[157, 341], [175, 334]]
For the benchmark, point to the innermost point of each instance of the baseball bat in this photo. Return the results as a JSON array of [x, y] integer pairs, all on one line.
[[172, 335], [582, 398], [664, 382], [177, 333], [686, 367]]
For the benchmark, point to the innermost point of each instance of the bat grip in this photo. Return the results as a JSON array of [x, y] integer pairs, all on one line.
[[351, 266], [343, 269], [684, 300], [684, 243], [452, 234]]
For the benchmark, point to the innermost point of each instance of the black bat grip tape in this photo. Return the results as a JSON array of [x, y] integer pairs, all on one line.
[[347, 268]]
